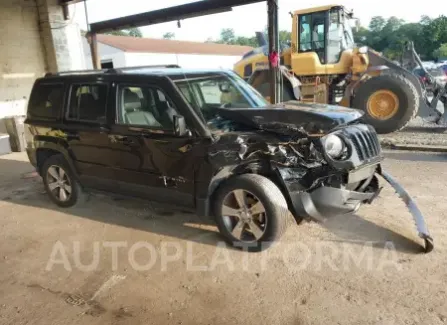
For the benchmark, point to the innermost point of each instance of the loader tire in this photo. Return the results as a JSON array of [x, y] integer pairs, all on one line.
[[389, 101]]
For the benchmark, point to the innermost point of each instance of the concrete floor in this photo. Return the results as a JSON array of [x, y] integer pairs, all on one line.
[[360, 269]]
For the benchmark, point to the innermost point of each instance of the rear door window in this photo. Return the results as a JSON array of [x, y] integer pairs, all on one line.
[[46, 101], [88, 103]]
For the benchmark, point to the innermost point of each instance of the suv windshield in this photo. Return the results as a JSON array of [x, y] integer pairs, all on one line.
[[209, 92]]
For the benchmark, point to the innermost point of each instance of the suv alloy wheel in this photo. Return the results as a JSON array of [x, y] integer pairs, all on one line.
[[251, 212], [60, 184]]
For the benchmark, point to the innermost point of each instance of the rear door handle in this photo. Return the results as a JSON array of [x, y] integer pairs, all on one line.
[[127, 140], [73, 136]]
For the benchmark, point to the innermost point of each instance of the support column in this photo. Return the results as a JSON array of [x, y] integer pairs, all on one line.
[[22, 58], [61, 38], [273, 39], [93, 42]]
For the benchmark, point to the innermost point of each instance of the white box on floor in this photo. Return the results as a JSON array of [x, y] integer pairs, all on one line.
[[5, 146]]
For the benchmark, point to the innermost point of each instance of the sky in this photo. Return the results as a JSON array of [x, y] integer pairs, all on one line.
[[246, 20]]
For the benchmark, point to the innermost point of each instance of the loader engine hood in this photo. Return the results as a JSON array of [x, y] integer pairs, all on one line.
[[294, 116]]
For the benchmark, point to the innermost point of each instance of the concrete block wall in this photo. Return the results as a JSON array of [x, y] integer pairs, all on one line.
[[22, 57], [61, 39], [34, 39]]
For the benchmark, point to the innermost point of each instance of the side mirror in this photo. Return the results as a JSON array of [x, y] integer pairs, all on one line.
[[180, 126]]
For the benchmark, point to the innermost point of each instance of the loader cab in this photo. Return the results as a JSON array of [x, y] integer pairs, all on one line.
[[320, 36]]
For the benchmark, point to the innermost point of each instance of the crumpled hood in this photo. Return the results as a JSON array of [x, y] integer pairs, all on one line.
[[293, 115]]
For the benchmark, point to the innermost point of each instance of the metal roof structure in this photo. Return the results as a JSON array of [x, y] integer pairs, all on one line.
[[191, 10], [176, 13]]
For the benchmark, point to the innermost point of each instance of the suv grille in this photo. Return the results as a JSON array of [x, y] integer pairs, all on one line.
[[365, 141]]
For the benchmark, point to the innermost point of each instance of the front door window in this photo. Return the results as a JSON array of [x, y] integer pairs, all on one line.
[[312, 34], [146, 107]]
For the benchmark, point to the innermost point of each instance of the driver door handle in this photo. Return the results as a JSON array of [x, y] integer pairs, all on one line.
[[122, 139]]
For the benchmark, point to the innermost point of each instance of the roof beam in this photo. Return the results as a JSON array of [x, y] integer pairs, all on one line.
[[189, 10], [69, 2]]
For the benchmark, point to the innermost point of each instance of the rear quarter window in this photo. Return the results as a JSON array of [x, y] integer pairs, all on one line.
[[46, 101]]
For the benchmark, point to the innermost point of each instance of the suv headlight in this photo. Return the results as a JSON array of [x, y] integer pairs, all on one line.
[[334, 146]]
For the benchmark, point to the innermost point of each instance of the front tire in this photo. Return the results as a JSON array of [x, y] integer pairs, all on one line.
[[389, 101], [60, 183], [251, 212]]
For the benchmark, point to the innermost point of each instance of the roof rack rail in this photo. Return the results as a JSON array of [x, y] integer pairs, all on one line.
[[67, 73], [165, 66], [110, 70]]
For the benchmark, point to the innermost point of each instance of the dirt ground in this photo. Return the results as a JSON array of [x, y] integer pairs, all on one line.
[[169, 267], [421, 136]]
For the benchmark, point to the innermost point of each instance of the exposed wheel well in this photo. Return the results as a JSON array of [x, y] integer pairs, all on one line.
[[42, 155], [261, 168]]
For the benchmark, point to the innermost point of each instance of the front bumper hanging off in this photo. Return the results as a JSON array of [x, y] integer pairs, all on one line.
[[414, 210], [326, 202]]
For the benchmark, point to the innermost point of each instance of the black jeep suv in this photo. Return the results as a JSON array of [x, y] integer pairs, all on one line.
[[204, 140]]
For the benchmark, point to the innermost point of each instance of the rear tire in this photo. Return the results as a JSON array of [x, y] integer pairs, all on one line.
[[260, 194], [400, 88], [60, 184]]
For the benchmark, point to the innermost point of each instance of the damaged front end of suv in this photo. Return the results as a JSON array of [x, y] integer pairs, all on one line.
[[322, 159], [313, 160]]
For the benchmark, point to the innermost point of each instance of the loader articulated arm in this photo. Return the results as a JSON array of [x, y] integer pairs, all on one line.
[[411, 60]]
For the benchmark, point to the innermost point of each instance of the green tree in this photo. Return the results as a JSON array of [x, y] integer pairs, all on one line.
[[361, 35], [390, 35], [392, 38], [285, 37], [434, 35], [412, 32], [134, 32], [375, 36], [169, 35], [117, 33], [246, 41], [227, 36], [393, 23], [377, 23], [441, 52], [425, 20]]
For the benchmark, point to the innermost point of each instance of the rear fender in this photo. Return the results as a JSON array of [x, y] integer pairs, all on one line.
[[60, 146]]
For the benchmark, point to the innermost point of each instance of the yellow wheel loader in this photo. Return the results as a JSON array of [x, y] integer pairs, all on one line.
[[322, 64]]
